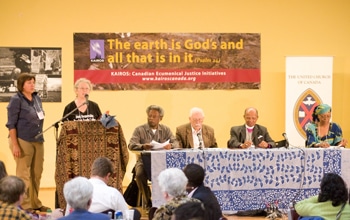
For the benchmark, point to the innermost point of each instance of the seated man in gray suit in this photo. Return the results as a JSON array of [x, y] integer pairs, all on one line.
[[195, 134], [250, 134]]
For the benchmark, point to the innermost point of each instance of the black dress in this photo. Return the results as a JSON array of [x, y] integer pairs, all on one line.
[[92, 112]]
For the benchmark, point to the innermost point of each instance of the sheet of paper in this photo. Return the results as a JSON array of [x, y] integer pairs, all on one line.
[[157, 146]]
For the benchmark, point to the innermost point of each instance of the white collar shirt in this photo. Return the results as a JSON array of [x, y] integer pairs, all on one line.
[[104, 198], [196, 139]]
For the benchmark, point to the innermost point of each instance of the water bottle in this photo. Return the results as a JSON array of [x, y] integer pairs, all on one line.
[[118, 214], [291, 211], [110, 215], [48, 214]]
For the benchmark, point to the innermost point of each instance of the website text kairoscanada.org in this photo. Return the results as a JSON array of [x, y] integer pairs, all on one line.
[[175, 75]]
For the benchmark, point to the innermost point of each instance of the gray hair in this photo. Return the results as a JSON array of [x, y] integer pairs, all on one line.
[[249, 109], [11, 188], [78, 192], [173, 181], [196, 110], [82, 80], [156, 108]]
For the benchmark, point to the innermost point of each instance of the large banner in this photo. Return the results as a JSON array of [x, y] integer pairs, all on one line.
[[308, 84], [155, 61], [44, 63]]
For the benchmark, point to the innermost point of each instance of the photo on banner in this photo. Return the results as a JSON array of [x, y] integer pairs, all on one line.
[[44, 63], [168, 61], [308, 84]]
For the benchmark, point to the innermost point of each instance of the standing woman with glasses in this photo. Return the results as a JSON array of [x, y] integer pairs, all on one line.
[[87, 110], [322, 132], [25, 119]]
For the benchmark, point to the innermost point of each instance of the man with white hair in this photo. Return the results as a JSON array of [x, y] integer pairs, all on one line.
[[78, 194], [195, 134]]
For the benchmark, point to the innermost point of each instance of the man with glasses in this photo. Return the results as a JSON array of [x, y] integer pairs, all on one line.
[[195, 134], [250, 135], [142, 139]]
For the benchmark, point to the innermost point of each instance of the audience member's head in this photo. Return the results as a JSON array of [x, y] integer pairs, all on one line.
[[102, 167], [12, 189], [190, 211], [196, 118], [172, 182], [78, 193], [333, 188], [3, 171], [195, 175]]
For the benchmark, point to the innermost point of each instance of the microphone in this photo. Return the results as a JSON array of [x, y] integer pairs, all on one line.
[[87, 99], [286, 138], [200, 140]]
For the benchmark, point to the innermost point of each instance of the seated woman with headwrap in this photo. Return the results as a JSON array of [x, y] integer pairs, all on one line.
[[322, 132]]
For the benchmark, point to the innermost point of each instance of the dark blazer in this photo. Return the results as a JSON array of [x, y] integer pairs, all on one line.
[[209, 200], [84, 214], [238, 135], [185, 138]]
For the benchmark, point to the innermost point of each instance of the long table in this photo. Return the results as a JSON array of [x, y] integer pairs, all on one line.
[[251, 179]]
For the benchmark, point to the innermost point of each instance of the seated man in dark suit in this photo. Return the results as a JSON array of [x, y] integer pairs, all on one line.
[[196, 189], [250, 134], [195, 134]]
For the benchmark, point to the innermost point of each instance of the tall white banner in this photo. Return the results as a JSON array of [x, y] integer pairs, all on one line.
[[308, 83]]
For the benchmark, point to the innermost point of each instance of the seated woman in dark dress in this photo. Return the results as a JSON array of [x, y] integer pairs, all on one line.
[[81, 108]]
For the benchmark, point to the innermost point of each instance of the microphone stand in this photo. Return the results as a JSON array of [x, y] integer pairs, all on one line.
[[56, 126], [286, 139], [287, 143], [56, 123]]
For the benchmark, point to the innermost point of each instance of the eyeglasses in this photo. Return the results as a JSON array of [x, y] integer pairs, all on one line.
[[324, 116], [84, 89], [197, 119]]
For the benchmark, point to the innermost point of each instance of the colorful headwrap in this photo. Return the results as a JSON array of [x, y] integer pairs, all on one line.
[[320, 109]]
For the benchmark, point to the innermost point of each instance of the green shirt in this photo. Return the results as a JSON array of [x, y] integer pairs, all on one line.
[[311, 207]]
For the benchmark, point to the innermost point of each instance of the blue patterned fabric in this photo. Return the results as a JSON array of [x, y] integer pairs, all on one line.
[[334, 136], [251, 179], [310, 218]]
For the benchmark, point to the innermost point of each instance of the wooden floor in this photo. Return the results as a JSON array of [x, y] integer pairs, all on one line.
[[47, 197], [232, 217]]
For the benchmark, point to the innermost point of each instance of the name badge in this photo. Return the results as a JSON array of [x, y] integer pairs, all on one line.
[[41, 115]]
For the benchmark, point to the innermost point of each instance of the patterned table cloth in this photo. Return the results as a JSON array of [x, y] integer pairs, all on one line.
[[251, 179]]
